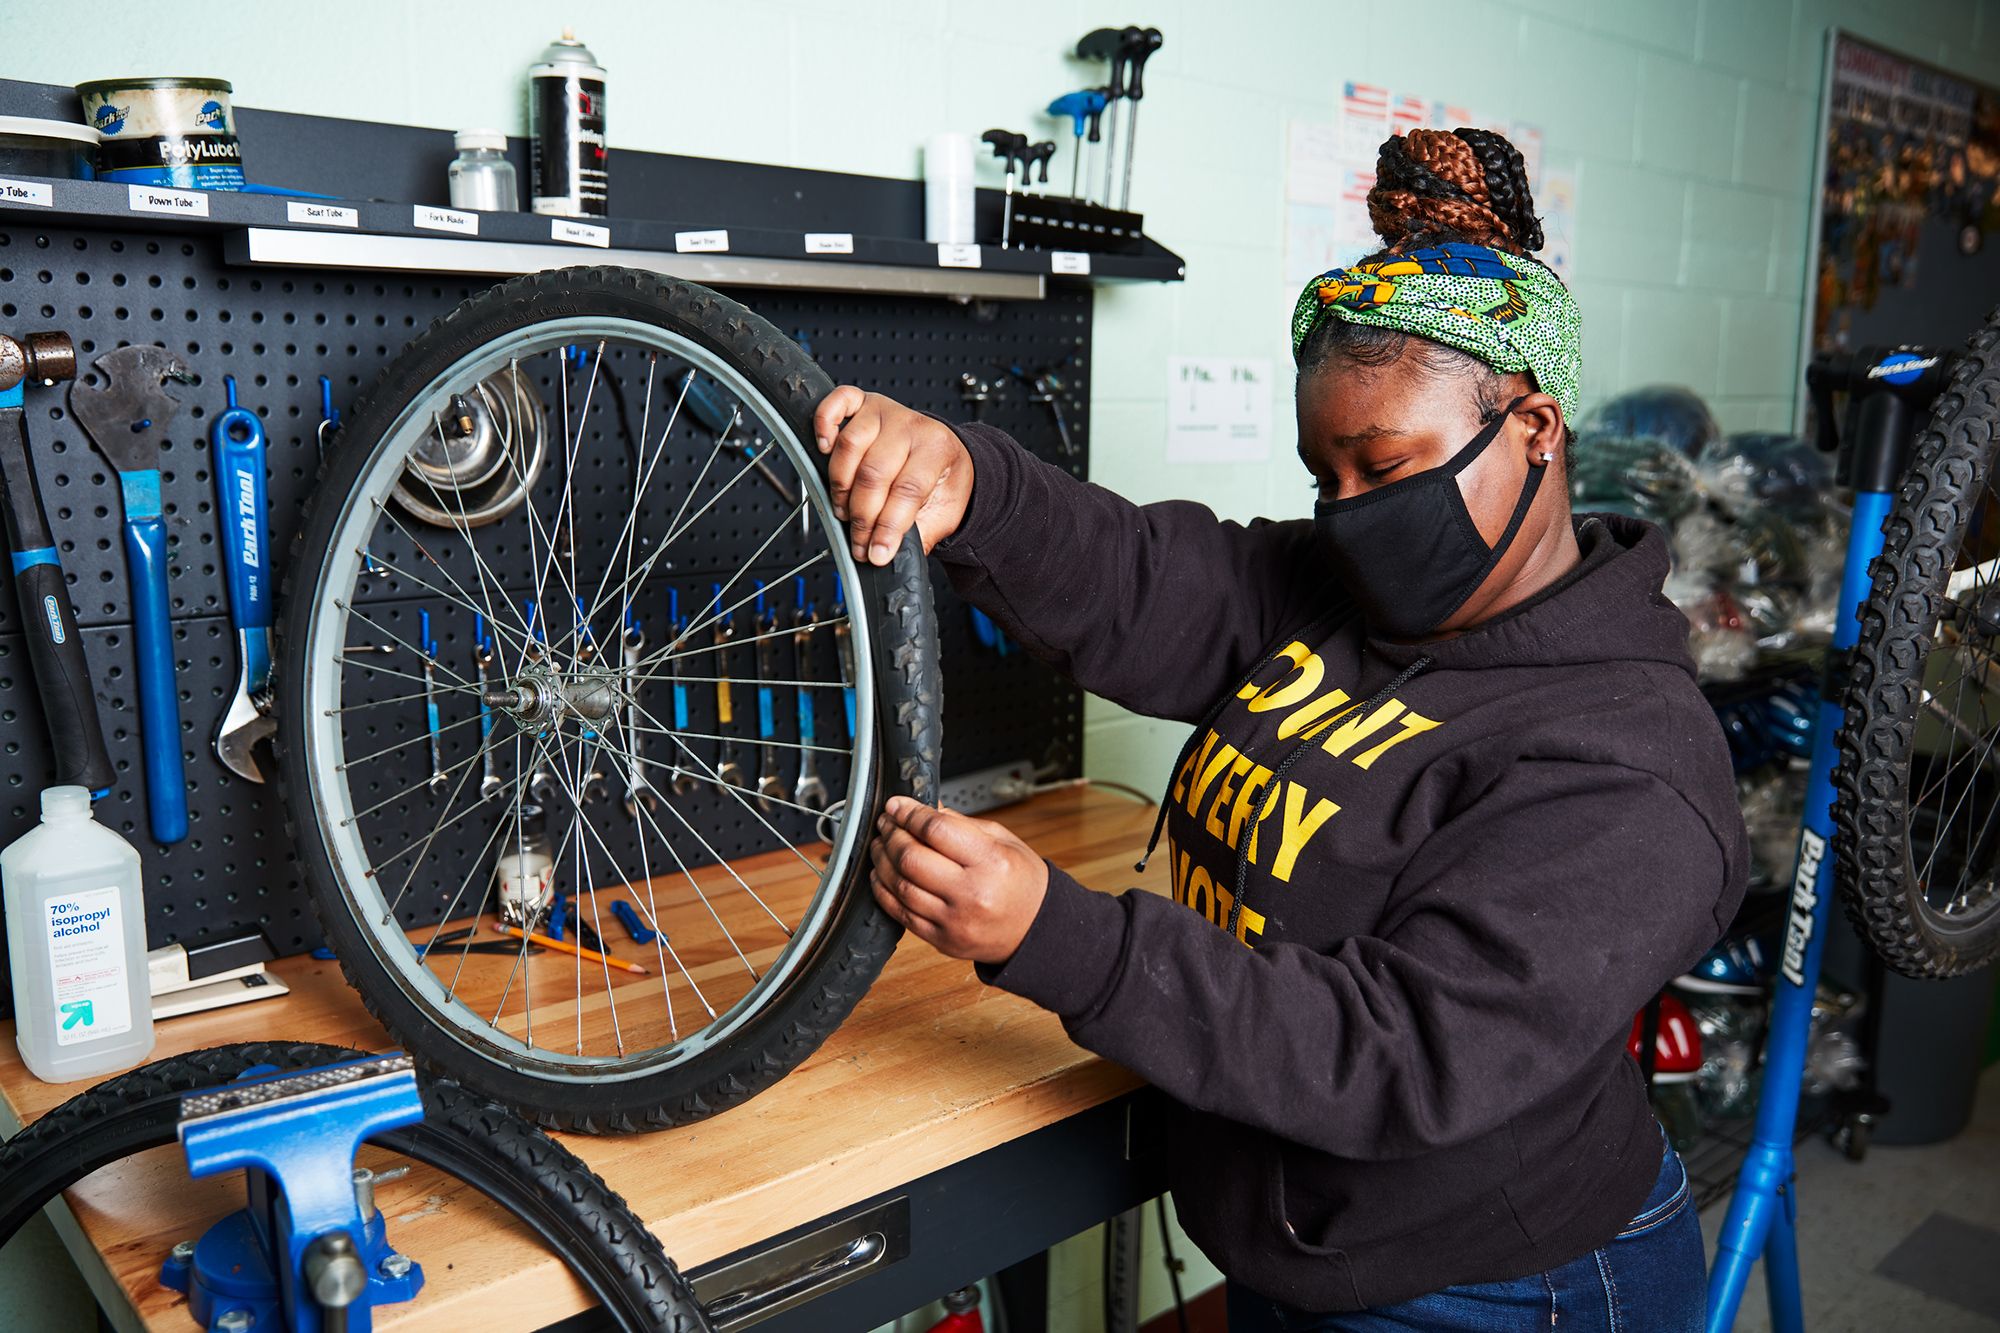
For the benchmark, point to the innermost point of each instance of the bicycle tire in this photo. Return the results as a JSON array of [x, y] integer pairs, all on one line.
[[1883, 887], [858, 937], [580, 1218]]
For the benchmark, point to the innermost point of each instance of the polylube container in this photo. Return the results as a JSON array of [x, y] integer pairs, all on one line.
[[76, 943]]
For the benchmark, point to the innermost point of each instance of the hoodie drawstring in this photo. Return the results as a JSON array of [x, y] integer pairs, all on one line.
[[1306, 742]]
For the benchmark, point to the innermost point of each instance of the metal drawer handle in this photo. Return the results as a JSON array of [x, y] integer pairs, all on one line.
[[793, 1288]]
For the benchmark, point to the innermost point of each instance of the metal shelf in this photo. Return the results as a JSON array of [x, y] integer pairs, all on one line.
[[293, 232]]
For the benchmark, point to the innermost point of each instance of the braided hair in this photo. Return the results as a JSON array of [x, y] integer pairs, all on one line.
[[1434, 187]]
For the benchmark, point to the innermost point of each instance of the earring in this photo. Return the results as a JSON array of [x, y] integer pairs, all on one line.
[[1548, 458]]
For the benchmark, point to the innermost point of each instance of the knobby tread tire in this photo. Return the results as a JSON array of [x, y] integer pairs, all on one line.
[[859, 936], [582, 1219], [1936, 501]]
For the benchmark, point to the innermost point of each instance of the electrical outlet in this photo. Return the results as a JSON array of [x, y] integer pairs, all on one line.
[[1003, 784]]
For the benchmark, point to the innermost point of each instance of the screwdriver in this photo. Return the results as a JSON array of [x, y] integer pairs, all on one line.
[[1084, 108], [1108, 44]]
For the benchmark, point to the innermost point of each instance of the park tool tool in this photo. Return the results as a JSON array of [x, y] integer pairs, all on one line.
[[482, 665], [638, 787], [727, 770], [1110, 45], [236, 443], [1012, 149], [1136, 46], [1085, 110], [683, 781], [429, 648], [309, 1253], [55, 650], [771, 789], [126, 413], [721, 422], [811, 791]]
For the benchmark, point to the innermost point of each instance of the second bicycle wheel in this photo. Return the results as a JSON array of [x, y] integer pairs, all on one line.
[[572, 645], [1917, 804]]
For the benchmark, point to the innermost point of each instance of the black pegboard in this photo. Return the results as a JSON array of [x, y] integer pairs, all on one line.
[[276, 332]]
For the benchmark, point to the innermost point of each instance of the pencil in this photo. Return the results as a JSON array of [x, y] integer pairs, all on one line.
[[549, 942]]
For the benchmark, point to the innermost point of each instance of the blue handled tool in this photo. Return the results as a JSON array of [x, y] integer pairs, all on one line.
[[428, 645], [771, 789], [1085, 110], [811, 791], [55, 650], [845, 647], [126, 414], [236, 442], [636, 927], [683, 781]]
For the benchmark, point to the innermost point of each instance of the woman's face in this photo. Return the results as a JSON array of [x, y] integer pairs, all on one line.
[[1364, 426]]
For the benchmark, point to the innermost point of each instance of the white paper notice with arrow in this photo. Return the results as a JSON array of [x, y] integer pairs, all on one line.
[[1218, 409]]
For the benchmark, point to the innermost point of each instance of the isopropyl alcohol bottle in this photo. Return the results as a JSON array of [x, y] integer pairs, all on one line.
[[76, 943]]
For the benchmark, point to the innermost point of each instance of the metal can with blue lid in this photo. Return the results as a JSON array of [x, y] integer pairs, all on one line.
[[171, 131]]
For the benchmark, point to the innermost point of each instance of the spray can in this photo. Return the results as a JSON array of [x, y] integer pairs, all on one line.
[[566, 129]]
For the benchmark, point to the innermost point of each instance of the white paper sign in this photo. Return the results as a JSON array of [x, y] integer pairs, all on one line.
[[701, 242], [321, 215], [445, 219], [37, 193], [578, 233], [1312, 161], [1556, 197], [1218, 409], [829, 242], [958, 256], [1073, 262], [159, 199]]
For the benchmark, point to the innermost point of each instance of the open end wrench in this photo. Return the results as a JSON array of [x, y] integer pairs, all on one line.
[[638, 788], [586, 652], [770, 786], [236, 442], [811, 791], [845, 649], [437, 779], [683, 781], [482, 662], [727, 769], [127, 416]]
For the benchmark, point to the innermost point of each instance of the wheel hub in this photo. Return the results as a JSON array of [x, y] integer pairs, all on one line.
[[543, 696]]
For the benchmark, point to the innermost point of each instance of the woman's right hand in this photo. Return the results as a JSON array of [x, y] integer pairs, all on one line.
[[891, 467]]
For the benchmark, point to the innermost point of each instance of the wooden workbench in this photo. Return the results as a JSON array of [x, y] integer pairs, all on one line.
[[933, 1069]]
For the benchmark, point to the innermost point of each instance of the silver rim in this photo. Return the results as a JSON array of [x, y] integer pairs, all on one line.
[[399, 823]]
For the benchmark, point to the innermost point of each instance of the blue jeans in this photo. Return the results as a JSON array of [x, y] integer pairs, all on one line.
[[1651, 1278]]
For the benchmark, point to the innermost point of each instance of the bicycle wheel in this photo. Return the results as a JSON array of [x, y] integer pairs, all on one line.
[[580, 1218], [621, 677], [1917, 804]]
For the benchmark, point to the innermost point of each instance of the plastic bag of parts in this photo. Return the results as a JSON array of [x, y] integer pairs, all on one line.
[[1722, 643], [1732, 1028], [1773, 803], [1623, 474], [1778, 473], [1669, 413]]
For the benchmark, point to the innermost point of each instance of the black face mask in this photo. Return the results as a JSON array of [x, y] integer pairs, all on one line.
[[1409, 553]]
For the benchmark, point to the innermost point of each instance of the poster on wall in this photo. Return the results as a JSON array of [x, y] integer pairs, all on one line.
[[1218, 409], [1909, 223]]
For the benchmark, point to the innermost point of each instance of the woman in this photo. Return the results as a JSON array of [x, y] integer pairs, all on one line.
[[1452, 810]]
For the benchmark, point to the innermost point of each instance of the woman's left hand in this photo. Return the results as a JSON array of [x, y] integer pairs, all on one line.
[[967, 887]]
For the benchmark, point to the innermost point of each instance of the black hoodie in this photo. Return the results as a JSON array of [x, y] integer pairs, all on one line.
[[1415, 1075]]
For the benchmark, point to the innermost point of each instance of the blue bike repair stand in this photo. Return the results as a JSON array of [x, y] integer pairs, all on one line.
[[1889, 391], [267, 1266]]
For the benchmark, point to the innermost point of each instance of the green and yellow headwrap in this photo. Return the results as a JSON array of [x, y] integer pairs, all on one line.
[[1510, 311]]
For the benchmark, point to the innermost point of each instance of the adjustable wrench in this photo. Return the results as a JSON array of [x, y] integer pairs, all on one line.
[[770, 787], [726, 768], [55, 650], [811, 792], [236, 443], [482, 662], [638, 789], [126, 417]]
